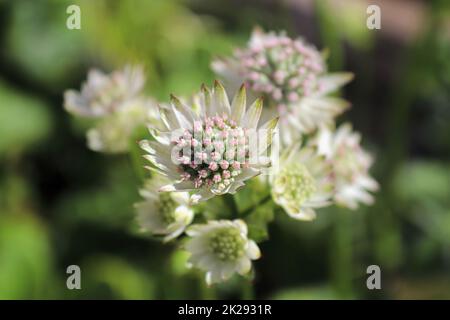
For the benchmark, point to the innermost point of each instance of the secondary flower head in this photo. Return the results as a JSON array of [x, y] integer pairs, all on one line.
[[302, 182], [105, 94], [292, 75], [113, 133], [351, 165], [113, 100], [221, 248], [209, 151], [165, 214]]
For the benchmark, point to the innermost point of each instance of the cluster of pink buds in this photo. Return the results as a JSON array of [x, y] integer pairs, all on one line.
[[283, 69], [213, 153]]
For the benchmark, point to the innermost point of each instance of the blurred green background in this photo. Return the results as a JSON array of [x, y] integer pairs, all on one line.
[[61, 204]]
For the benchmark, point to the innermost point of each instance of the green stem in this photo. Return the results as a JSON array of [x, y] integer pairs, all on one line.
[[247, 290], [206, 292], [263, 201], [231, 203]]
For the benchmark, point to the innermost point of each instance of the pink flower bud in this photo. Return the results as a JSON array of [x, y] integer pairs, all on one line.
[[207, 141], [277, 95], [279, 76], [293, 97], [226, 174], [217, 178], [203, 173], [213, 166], [224, 164], [198, 126], [294, 82]]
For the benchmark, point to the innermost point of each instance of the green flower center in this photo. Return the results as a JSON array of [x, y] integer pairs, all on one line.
[[227, 244], [167, 208], [348, 163], [294, 184]]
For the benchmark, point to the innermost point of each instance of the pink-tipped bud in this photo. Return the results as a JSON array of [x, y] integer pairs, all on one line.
[[226, 174], [213, 166], [217, 178], [224, 164], [293, 97]]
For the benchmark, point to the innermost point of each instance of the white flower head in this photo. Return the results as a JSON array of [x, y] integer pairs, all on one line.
[[113, 133], [103, 94], [210, 150], [165, 214], [302, 182], [292, 75], [221, 248], [114, 100], [351, 164]]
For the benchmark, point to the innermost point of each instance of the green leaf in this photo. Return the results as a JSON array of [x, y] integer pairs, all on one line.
[[259, 220], [24, 119], [26, 260]]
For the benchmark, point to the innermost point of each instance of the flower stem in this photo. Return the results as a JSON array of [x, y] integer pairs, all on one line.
[[231, 203], [263, 201], [247, 290]]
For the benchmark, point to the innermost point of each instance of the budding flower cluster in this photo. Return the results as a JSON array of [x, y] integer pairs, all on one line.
[[208, 151], [292, 76], [282, 68], [213, 152]]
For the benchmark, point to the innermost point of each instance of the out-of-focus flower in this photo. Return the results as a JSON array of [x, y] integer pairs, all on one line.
[[105, 94], [221, 248], [292, 76], [351, 164], [166, 214], [112, 133], [114, 100], [208, 152], [302, 182]]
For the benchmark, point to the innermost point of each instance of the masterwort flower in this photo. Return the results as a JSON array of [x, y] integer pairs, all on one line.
[[114, 100], [209, 151], [351, 165], [221, 248], [165, 214], [302, 182], [292, 75]]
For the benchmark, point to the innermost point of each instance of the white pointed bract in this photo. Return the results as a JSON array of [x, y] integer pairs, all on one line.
[[221, 248], [351, 164], [164, 214], [116, 103], [210, 151], [302, 182], [292, 75]]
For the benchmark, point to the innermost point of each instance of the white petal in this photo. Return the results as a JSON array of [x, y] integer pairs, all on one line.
[[238, 105], [244, 266], [241, 225], [306, 214], [253, 114], [333, 81], [253, 251]]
